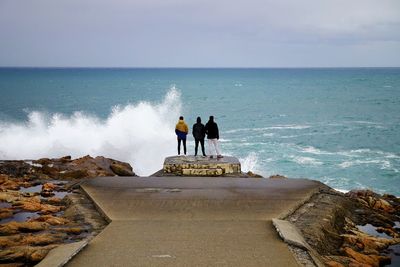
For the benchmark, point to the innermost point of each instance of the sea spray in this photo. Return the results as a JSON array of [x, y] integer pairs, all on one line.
[[141, 134], [249, 163]]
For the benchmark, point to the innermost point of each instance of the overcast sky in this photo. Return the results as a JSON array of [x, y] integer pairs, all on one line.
[[200, 33]]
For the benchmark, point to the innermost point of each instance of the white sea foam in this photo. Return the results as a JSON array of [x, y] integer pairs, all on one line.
[[141, 134], [274, 127], [249, 163], [305, 160], [385, 164]]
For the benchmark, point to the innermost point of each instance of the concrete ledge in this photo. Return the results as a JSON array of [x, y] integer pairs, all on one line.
[[292, 236], [289, 233], [61, 255]]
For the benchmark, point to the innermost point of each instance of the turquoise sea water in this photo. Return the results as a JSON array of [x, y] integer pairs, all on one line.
[[339, 126]]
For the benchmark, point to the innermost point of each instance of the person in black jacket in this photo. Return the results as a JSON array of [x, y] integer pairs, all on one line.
[[213, 136], [199, 133]]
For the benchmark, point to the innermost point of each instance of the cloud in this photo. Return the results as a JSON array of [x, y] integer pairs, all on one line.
[[188, 33]]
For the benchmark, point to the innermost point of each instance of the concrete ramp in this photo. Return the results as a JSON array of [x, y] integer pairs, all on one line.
[[175, 221]]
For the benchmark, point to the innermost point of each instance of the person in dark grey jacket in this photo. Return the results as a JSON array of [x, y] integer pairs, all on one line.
[[199, 133]]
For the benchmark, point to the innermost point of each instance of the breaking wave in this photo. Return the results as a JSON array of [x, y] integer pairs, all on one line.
[[141, 134]]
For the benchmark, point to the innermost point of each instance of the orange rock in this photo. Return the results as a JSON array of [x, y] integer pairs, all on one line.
[[33, 204], [49, 186], [10, 241], [6, 213], [9, 196], [372, 260], [16, 227], [41, 239], [333, 264], [6, 183], [52, 220]]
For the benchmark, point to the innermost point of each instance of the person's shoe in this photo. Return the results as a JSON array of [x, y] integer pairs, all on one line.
[[211, 157], [220, 156]]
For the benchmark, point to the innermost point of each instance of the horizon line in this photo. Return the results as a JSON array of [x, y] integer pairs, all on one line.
[[220, 67]]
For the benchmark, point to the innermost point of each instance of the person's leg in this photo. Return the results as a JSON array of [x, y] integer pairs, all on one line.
[[210, 147], [184, 145], [179, 146], [217, 148], [202, 147], [214, 144], [196, 146]]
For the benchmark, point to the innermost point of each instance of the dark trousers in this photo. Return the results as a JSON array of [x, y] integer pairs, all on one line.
[[196, 146], [179, 145]]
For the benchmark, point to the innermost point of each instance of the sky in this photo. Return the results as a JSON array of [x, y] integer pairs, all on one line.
[[201, 33]]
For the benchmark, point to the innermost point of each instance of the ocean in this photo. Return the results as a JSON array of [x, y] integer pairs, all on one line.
[[340, 126]]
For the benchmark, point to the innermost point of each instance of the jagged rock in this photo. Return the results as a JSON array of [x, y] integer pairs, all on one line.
[[71, 230], [366, 243], [6, 213], [52, 220], [253, 175], [24, 253], [6, 183], [372, 260], [47, 190], [41, 239], [33, 204], [15, 168], [16, 227], [371, 199], [122, 169], [54, 200], [277, 176], [334, 264], [10, 196]]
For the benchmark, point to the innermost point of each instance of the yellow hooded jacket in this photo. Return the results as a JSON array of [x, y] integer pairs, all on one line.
[[181, 129]]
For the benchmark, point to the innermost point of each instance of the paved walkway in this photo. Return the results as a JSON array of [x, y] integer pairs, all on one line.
[[181, 221]]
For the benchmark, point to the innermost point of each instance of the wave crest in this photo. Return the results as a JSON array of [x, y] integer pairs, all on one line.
[[141, 134]]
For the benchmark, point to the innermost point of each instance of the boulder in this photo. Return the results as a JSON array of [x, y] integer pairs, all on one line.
[[122, 169], [47, 190]]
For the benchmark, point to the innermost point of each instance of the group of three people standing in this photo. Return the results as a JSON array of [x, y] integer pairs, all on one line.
[[199, 133]]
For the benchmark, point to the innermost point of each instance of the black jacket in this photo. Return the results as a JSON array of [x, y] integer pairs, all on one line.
[[199, 131], [212, 130]]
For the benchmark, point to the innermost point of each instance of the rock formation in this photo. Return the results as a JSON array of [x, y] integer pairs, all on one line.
[[330, 222], [41, 207]]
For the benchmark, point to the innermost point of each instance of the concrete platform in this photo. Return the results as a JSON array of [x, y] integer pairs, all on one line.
[[201, 166], [176, 221]]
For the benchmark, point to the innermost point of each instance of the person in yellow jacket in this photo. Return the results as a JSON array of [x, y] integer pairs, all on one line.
[[181, 130]]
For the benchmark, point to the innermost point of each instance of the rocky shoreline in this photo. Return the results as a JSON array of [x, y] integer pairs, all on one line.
[[359, 228], [42, 205]]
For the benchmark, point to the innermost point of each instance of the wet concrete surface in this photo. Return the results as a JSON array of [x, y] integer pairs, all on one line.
[[182, 221]]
